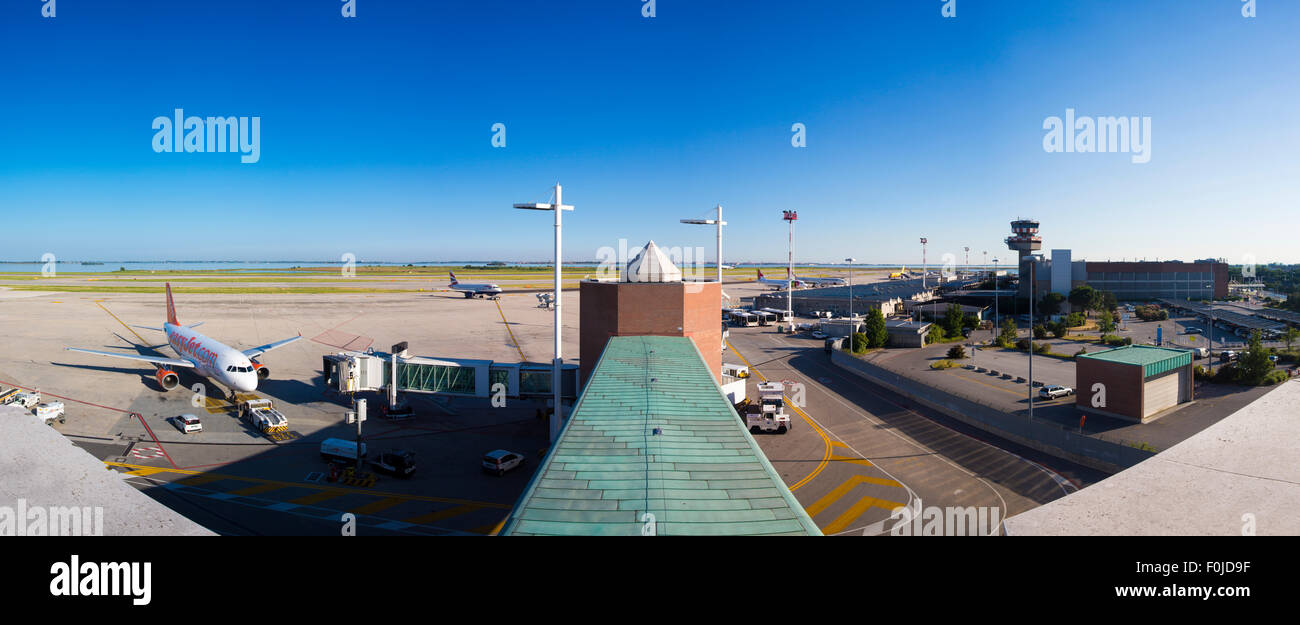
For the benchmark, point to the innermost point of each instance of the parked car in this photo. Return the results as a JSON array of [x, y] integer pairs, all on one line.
[[1052, 391], [1192, 331], [188, 424], [818, 334], [501, 461]]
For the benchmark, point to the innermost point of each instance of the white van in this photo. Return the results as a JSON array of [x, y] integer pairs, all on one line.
[[338, 449]]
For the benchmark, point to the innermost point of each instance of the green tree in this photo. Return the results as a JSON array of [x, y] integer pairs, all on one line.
[[1106, 323], [860, 342], [1051, 304], [877, 335], [1254, 364], [935, 334], [1082, 298], [1007, 337], [1074, 320], [952, 320], [1040, 331], [1108, 301], [1290, 336]]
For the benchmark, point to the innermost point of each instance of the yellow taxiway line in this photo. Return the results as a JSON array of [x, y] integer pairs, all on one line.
[[826, 458]]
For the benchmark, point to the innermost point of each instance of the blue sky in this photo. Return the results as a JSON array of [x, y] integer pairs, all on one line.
[[376, 131]]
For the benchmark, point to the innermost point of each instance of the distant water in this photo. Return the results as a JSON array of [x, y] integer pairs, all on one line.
[[112, 266]]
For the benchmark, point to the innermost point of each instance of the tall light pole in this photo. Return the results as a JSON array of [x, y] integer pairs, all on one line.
[[557, 365], [790, 217], [996, 296], [1032, 266], [967, 258], [850, 261], [923, 265], [719, 223]]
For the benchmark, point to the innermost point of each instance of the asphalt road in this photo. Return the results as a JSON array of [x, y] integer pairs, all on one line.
[[859, 450]]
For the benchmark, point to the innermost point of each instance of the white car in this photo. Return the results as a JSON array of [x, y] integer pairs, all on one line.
[[501, 461], [819, 334], [1054, 390], [188, 423]]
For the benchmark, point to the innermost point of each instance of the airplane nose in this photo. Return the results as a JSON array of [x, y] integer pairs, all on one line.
[[248, 383]]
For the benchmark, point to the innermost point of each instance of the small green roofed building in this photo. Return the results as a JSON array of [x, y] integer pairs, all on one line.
[[653, 447], [1134, 382]]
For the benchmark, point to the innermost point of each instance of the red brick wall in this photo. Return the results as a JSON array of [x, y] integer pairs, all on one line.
[[687, 309]]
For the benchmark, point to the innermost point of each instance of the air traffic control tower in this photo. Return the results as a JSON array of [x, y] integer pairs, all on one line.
[[1025, 240]]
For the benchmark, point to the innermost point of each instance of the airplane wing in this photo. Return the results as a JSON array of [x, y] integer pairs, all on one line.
[[159, 360], [262, 349], [192, 325]]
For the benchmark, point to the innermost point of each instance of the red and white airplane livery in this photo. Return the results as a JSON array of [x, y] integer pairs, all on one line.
[[209, 358]]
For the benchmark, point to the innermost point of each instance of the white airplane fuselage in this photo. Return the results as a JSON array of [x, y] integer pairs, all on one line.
[[212, 358]]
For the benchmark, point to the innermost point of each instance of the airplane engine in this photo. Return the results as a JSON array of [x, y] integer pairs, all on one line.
[[263, 371], [167, 379]]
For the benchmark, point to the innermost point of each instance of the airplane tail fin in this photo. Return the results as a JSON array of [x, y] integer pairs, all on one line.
[[760, 273], [453, 277], [171, 307]]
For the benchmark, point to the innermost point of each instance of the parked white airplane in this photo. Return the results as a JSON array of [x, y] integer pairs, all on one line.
[[779, 284], [490, 291], [209, 358], [821, 281]]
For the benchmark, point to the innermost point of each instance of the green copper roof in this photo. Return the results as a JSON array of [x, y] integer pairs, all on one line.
[[702, 474], [1153, 360]]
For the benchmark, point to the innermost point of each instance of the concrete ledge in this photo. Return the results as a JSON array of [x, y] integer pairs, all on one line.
[[1244, 468], [42, 469]]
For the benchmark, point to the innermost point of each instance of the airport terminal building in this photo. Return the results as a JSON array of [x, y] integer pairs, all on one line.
[[1132, 281]]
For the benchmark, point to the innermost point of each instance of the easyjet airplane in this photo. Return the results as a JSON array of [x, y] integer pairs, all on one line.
[[209, 358], [780, 285]]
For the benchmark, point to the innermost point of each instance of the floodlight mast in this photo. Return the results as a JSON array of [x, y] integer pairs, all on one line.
[[558, 208], [719, 223]]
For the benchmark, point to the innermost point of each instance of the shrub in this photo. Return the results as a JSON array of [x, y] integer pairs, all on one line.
[[1042, 348], [1022, 345], [1057, 328], [956, 352], [860, 342], [943, 364], [1074, 320], [1082, 351], [1040, 332], [936, 333], [1276, 376]]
